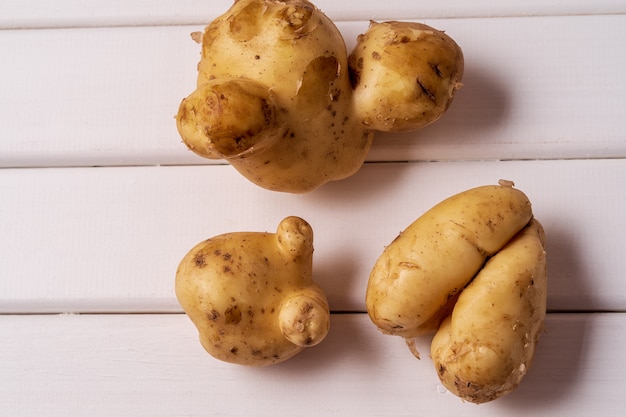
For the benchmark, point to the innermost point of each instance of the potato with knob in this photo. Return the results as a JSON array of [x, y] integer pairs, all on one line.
[[484, 349], [292, 128], [251, 295], [274, 93]]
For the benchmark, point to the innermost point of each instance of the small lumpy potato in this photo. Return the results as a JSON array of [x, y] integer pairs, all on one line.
[[251, 294], [404, 75], [417, 277], [484, 349]]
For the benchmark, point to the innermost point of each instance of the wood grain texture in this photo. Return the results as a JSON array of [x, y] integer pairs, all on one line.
[[99, 200], [69, 106], [128, 365], [110, 239], [70, 13]]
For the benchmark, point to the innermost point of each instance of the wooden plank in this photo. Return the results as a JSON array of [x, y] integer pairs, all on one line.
[[108, 96], [114, 106], [110, 239], [86, 84], [123, 365], [70, 13]]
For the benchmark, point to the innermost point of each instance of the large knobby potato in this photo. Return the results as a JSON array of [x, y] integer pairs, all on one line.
[[292, 127], [274, 94]]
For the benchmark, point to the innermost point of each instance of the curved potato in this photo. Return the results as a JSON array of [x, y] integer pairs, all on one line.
[[432, 260], [484, 349]]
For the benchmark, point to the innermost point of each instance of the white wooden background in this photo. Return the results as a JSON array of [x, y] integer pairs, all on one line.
[[99, 200]]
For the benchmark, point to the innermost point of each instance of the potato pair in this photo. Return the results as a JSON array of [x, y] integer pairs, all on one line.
[[473, 270]]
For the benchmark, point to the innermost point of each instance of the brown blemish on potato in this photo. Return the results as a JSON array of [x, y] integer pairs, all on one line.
[[426, 91], [199, 260], [409, 265], [232, 315], [442, 370], [306, 308], [436, 70], [245, 25], [213, 315], [316, 86]]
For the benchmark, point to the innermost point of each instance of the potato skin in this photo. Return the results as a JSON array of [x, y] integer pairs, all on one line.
[[310, 113], [229, 118], [404, 75], [240, 288], [484, 349], [432, 260], [298, 56]]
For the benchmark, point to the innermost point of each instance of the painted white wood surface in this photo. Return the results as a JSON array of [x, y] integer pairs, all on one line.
[[86, 84], [152, 365], [76, 13], [109, 239], [107, 96]]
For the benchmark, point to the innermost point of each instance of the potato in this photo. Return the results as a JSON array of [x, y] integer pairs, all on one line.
[[484, 349], [274, 94], [297, 61], [404, 75], [251, 294], [233, 108], [473, 270], [414, 282]]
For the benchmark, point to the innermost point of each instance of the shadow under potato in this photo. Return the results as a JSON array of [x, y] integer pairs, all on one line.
[[480, 107], [348, 345], [561, 348], [556, 366]]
